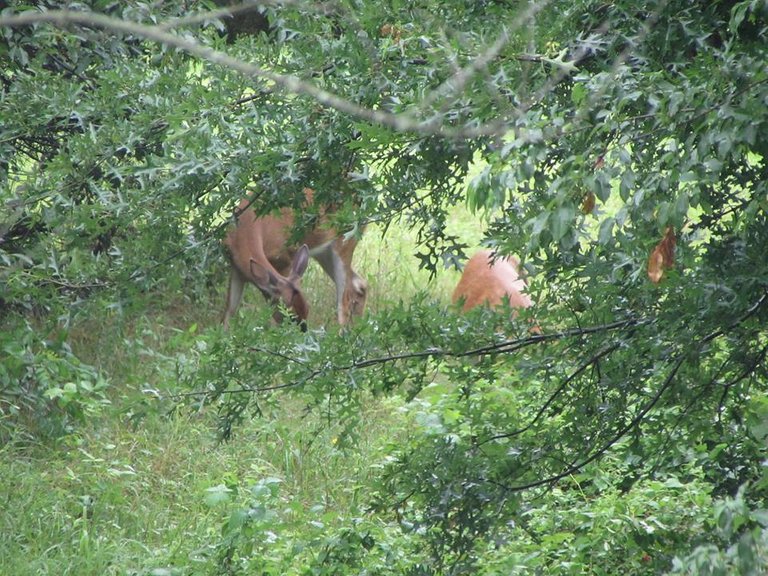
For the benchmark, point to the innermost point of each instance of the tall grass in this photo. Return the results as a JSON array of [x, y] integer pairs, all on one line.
[[130, 494]]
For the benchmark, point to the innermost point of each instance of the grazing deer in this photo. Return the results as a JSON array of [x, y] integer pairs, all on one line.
[[260, 254], [486, 281]]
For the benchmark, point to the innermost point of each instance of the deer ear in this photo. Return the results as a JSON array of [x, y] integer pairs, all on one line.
[[300, 262], [263, 277]]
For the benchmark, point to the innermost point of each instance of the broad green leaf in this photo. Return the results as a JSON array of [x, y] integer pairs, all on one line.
[[217, 495], [561, 221], [605, 235]]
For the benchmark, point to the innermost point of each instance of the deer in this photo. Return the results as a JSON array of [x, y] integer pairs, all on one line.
[[261, 254], [488, 281]]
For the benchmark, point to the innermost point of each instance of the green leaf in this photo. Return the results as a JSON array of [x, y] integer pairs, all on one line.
[[54, 392], [578, 93], [681, 208], [605, 235], [738, 13], [266, 487], [236, 521], [217, 495], [561, 222], [662, 214], [539, 224], [602, 186], [626, 184], [758, 418]]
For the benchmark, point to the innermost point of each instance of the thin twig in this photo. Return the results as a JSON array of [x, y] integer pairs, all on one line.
[[595, 358], [613, 440]]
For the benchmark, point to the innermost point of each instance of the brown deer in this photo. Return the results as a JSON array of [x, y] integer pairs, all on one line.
[[260, 254], [488, 282]]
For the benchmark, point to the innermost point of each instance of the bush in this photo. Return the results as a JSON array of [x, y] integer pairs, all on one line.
[[741, 544], [44, 387]]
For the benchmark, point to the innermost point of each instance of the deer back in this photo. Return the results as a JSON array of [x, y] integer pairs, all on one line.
[[486, 281]]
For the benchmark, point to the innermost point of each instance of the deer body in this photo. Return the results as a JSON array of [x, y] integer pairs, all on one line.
[[487, 282], [260, 253]]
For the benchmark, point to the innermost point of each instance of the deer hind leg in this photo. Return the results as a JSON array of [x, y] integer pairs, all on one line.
[[234, 295], [333, 266], [351, 290]]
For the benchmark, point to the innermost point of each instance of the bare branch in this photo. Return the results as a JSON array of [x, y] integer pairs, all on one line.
[[613, 440], [403, 122]]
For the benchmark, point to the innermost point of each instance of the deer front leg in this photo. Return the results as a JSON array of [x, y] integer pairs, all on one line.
[[234, 295], [335, 258]]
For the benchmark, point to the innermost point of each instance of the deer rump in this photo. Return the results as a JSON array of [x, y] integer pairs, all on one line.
[[487, 282]]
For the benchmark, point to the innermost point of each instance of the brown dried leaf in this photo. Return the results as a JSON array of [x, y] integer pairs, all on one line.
[[588, 203], [663, 256], [600, 162], [388, 30]]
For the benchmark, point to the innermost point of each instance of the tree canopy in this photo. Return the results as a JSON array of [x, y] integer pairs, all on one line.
[[618, 148]]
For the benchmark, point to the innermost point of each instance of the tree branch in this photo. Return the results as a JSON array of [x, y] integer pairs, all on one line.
[[399, 122], [328, 368], [614, 439], [635, 422], [402, 122], [595, 358]]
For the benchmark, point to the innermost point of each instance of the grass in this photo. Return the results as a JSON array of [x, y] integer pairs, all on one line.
[[118, 498], [130, 492]]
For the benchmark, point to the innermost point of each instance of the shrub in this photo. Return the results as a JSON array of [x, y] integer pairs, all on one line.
[[44, 387]]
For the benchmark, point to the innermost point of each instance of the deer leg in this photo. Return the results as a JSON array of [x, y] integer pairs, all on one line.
[[234, 295], [356, 294], [355, 288], [334, 266]]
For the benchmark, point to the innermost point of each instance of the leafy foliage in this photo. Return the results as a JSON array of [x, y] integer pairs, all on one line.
[[608, 142], [742, 545], [45, 390]]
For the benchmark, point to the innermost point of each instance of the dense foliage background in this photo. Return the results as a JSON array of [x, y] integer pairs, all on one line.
[[619, 148]]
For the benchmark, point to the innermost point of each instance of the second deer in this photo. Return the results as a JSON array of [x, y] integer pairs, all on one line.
[[488, 281]]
